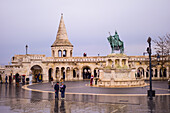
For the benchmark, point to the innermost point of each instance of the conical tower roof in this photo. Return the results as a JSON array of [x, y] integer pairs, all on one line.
[[62, 38]]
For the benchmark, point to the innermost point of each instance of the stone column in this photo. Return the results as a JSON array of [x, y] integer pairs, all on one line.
[[56, 53], [60, 73], [127, 63], [158, 72], [80, 75], [114, 63], [92, 71], [71, 73], [120, 62], [167, 71], [107, 62], [145, 70], [61, 53], [68, 53], [101, 74]]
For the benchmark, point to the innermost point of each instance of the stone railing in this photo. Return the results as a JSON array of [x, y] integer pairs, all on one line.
[[74, 59]]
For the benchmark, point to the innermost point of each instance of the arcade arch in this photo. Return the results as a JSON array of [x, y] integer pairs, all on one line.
[[36, 70], [163, 72], [59, 53], [75, 72], [86, 72], [50, 76], [64, 53], [140, 72]]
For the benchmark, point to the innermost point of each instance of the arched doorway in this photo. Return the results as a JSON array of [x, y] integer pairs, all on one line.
[[64, 53], [148, 72], [96, 72], [57, 73], [76, 73], [50, 77], [36, 73], [140, 72], [67, 72], [63, 73], [59, 53], [86, 72], [163, 72]]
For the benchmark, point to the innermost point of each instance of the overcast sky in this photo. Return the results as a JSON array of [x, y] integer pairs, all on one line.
[[35, 23]]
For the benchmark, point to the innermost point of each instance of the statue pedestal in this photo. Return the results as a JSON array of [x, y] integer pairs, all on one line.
[[117, 73]]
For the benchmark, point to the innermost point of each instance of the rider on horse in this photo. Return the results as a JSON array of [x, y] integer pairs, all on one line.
[[116, 43]]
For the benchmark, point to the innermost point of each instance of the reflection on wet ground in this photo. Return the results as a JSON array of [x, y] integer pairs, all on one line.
[[15, 99]]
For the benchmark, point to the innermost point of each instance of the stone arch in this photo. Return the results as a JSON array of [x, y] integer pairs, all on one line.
[[86, 72], [75, 72], [67, 72], [110, 62], [50, 74], [59, 53], [163, 72], [57, 73], [63, 73], [65, 53], [117, 64], [36, 70], [148, 72], [140, 72], [96, 72], [123, 62]]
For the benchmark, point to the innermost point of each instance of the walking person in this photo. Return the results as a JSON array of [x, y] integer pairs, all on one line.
[[169, 84], [62, 90], [56, 88], [91, 80]]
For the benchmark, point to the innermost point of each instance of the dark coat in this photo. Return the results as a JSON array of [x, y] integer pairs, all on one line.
[[56, 87], [63, 87]]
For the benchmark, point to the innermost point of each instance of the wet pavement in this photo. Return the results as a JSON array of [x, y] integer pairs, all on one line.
[[83, 99]]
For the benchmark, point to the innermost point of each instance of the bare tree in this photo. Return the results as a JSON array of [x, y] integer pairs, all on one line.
[[162, 47]]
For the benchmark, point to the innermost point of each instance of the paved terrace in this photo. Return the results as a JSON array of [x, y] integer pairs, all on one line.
[[83, 99]]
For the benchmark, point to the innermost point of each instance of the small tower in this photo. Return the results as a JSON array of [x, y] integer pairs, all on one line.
[[62, 46]]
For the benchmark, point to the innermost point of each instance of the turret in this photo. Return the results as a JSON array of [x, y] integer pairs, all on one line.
[[62, 46]]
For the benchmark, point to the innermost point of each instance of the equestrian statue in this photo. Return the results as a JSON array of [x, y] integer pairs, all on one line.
[[116, 43]]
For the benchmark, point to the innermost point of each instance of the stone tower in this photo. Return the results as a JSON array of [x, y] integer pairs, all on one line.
[[62, 46]]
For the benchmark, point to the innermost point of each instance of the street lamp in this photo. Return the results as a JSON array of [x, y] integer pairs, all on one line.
[[26, 48], [151, 93]]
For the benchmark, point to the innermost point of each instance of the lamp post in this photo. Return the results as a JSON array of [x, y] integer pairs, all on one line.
[[26, 48], [151, 93]]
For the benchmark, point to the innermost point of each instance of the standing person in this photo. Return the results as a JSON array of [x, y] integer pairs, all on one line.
[[17, 79], [40, 78], [1, 79], [91, 80], [56, 88], [6, 78], [52, 81], [169, 84], [62, 90], [10, 79]]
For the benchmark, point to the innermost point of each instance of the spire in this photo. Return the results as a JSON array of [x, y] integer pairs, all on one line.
[[62, 38]]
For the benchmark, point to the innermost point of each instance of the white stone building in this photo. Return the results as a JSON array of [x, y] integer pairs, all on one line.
[[63, 65]]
